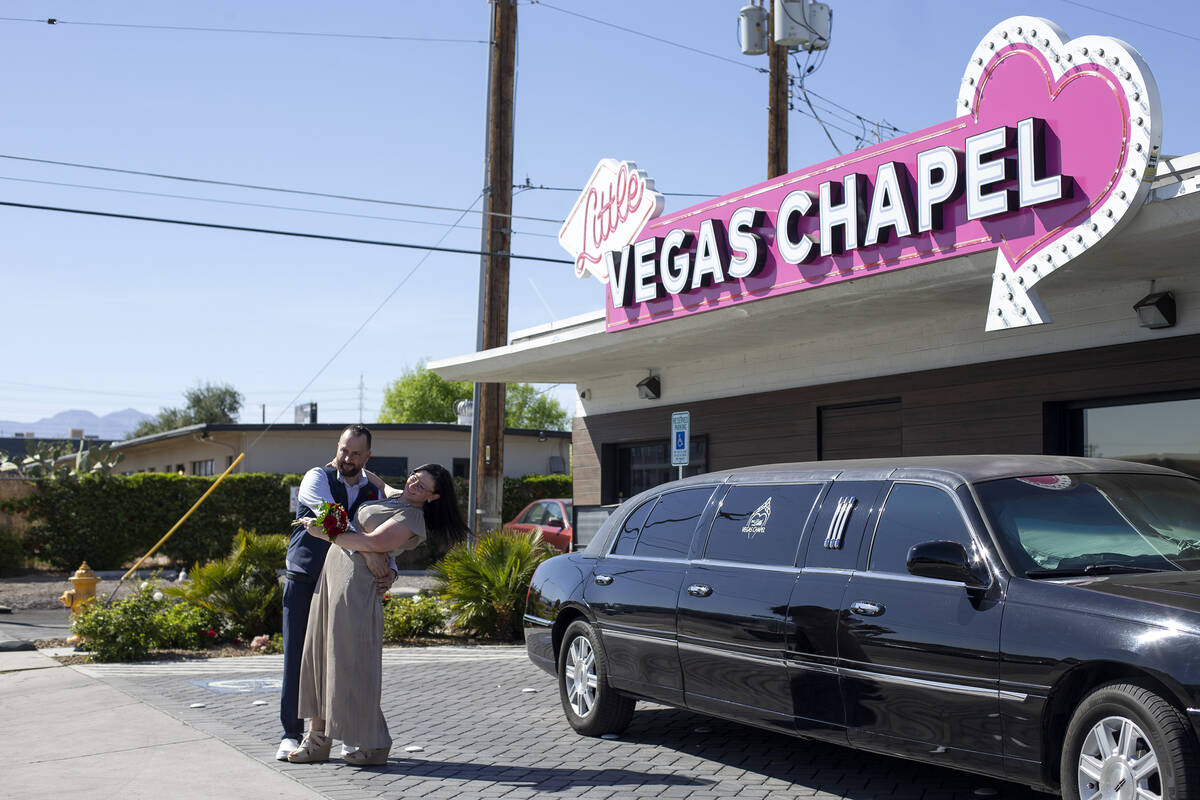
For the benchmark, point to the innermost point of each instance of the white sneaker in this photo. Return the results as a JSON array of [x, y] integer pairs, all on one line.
[[285, 747], [348, 749]]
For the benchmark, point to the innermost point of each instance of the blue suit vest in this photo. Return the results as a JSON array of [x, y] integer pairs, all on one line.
[[306, 553]]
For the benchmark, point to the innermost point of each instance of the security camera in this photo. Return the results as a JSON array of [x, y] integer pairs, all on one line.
[[586, 394]]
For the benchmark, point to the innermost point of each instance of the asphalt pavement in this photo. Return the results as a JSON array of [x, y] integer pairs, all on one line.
[[468, 722]]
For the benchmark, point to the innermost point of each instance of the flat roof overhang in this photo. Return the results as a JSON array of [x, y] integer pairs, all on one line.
[[1162, 240]]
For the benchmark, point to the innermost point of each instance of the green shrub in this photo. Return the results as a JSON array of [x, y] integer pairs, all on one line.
[[187, 626], [125, 630], [77, 520], [405, 617], [146, 619], [12, 552], [110, 520], [243, 588], [486, 584]]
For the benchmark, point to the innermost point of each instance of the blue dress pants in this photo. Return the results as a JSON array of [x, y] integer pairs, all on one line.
[[297, 599]]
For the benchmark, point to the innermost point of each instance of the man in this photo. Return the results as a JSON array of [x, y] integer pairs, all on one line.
[[344, 481]]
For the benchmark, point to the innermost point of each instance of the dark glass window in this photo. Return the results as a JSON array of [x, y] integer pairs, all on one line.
[[761, 524], [628, 535], [668, 532], [390, 467], [642, 466], [912, 514]]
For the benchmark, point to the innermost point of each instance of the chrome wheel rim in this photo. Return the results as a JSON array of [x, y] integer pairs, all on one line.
[[1117, 762], [580, 673]]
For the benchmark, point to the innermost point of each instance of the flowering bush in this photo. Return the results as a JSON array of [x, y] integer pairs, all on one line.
[[404, 617], [130, 627], [187, 626], [264, 643]]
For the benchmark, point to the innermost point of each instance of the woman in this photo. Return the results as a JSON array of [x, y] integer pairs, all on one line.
[[341, 671]]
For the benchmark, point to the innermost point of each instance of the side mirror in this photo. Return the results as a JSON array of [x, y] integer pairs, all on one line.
[[555, 522], [946, 561]]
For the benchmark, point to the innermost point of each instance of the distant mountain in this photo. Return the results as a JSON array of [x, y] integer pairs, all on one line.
[[116, 425]]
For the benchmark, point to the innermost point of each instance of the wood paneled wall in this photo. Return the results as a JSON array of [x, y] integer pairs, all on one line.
[[994, 407]]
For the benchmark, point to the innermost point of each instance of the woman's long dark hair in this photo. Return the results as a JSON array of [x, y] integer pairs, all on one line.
[[442, 515]]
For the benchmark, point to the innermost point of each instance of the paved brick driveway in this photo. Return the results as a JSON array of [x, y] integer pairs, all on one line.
[[483, 734]]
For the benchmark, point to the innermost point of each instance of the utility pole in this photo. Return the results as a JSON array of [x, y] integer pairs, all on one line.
[[487, 429], [777, 105]]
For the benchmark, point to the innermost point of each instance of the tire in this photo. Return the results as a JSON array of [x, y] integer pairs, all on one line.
[[1126, 741], [593, 708]]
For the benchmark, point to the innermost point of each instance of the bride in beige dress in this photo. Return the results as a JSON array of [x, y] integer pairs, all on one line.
[[341, 672]]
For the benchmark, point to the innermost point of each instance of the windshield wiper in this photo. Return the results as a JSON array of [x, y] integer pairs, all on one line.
[[1090, 569]]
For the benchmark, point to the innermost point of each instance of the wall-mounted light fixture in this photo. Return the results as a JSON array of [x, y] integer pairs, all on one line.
[[649, 388], [1156, 310]]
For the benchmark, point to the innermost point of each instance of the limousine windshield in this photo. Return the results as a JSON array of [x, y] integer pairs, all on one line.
[[1065, 525]]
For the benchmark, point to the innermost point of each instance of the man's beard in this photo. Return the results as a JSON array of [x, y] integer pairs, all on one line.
[[347, 474]]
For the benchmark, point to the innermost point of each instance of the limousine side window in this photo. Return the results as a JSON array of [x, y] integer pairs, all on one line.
[[668, 531], [761, 524], [627, 536], [915, 513]]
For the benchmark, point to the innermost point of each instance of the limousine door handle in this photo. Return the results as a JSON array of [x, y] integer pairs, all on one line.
[[699, 590], [602, 580], [866, 609]]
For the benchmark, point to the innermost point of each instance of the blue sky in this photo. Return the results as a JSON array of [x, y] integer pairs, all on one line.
[[104, 314]]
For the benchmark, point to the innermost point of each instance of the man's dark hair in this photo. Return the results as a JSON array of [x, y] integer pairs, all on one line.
[[359, 430]]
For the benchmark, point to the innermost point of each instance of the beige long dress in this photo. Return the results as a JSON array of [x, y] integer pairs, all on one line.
[[341, 671]]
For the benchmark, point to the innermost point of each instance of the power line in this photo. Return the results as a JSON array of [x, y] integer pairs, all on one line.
[[708, 54], [527, 185], [354, 335], [41, 386], [249, 204], [247, 229], [648, 36], [257, 187], [1134, 20], [197, 29]]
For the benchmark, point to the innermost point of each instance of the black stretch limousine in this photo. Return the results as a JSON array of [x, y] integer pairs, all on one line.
[[1034, 618]]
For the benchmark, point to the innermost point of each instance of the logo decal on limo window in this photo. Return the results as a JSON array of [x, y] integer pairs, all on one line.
[[1057, 482], [758, 520]]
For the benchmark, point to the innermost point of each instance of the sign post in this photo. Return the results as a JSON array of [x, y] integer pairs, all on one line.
[[681, 423]]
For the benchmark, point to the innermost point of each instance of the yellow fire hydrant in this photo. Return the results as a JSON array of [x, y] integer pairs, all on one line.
[[84, 589]]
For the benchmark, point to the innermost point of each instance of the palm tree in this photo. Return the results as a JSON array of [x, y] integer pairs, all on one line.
[[486, 583]]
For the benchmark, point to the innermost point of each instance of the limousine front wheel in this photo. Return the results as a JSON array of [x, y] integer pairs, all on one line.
[[592, 706], [1126, 741]]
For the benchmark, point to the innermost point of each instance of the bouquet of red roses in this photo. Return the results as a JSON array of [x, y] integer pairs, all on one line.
[[332, 519]]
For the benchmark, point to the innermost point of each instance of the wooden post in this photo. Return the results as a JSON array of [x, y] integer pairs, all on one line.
[[777, 104], [487, 488]]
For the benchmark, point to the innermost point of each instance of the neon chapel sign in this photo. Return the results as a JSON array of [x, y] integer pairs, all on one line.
[[1046, 157]]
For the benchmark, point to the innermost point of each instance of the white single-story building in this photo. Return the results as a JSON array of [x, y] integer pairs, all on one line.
[[395, 448]]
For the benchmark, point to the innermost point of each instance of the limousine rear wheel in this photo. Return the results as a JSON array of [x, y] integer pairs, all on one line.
[[1124, 740], [592, 706]]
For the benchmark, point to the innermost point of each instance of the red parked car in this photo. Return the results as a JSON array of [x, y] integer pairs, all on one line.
[[552, 518]]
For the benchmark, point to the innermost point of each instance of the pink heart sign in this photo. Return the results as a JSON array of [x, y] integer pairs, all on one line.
[[1104, 105], [1048, 155]]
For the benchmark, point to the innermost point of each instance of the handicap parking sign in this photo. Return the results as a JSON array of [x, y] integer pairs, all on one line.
[[681, 422]]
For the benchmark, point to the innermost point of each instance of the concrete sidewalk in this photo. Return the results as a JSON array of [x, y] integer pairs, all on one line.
[[65, 732]]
